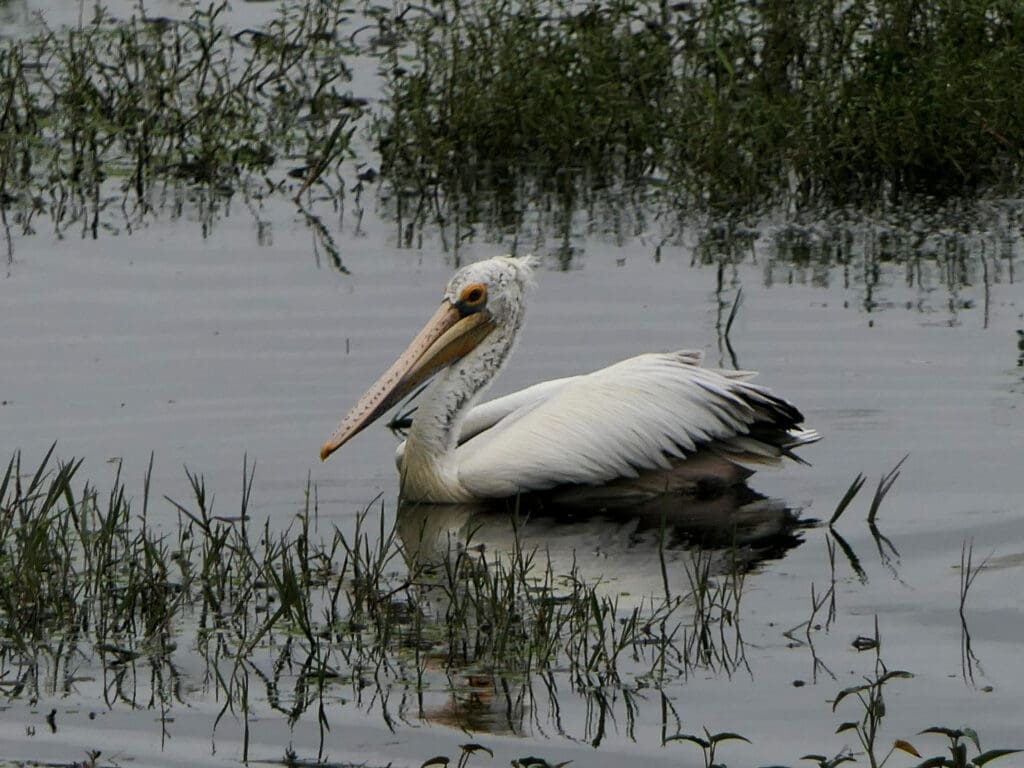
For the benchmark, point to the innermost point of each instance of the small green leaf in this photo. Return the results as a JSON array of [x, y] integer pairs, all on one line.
[[844, 502], [972, 734], [704, 743], [935, 762], [952, 733], [439, 760], [847, 692], [533, 762], [849, 725], [727, 737], [895, 673], [471, 748], [992, 754]]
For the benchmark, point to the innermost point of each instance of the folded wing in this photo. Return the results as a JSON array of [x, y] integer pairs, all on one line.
[[647, 413]]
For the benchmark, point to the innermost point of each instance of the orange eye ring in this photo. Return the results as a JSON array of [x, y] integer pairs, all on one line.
[[473, 295]]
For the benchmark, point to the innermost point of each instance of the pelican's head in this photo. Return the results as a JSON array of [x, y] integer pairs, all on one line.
[[481, 301]]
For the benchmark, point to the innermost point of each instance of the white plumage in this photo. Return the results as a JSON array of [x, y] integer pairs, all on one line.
[[650, 424]]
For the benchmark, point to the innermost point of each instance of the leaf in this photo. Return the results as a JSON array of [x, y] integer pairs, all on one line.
[[972, 734], [846, 692], [935, 762], [952, 733], [471, 748], [703, 743], [727, 736], [895, 673], [849, 725], [992, 754], [852, 491], [884, 486], [905, 746], [532, 762], [439, 760]]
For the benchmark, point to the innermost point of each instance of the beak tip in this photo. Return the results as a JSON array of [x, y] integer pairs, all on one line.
[[325, 451]]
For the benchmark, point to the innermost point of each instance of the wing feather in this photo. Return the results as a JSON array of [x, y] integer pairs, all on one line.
[[643, 414]]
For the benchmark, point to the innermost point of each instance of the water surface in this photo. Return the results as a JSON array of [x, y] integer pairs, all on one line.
[[209, 339]]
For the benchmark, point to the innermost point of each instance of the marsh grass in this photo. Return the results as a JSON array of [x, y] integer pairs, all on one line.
[[497, 111], [299, 621], [114, 114], [540, 124]]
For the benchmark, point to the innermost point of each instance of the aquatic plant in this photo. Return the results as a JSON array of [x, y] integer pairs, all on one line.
[[495, 106], [298, 622], [501, 116], [116, 113], [83, 570]]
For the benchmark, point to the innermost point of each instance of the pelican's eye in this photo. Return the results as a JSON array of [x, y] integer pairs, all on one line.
[[473, 298]]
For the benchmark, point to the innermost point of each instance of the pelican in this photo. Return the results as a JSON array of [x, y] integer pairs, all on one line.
[[651, 424]]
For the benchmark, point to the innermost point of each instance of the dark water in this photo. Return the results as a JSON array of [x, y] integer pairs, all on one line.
[[204, 342]]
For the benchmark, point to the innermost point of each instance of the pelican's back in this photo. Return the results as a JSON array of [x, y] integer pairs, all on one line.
[[651, 423]]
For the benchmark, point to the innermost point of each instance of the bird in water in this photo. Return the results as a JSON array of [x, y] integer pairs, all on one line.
[[651, 424]]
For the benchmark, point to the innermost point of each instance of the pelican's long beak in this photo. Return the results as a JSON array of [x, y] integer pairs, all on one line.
[[444, 339]]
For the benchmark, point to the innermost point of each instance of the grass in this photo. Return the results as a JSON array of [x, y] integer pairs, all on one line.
[[500, 117], [346, 615], [722, 105], [117, 112], [297, 622]]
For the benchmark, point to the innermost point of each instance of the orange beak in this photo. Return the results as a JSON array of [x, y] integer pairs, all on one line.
[[447, 337]]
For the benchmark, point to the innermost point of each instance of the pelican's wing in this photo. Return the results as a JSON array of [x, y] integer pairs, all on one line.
[[486, 415], [645, 413]]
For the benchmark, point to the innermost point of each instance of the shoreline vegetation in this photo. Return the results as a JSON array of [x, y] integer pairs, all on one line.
[[493, 111]]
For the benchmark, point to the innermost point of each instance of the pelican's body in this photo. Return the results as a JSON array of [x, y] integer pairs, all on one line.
[[646, 425]]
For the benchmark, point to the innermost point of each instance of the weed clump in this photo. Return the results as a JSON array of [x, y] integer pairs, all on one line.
[[298, 623], [719, 105], [85, 576], [103, 114]]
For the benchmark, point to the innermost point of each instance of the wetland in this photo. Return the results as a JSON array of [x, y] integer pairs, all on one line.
[[222, 222]]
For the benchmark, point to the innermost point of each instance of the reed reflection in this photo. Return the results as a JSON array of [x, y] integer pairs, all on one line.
[[585, 601]]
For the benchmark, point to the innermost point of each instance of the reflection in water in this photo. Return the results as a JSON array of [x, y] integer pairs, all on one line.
[[739, 525], [501, 619], [665, 583], [956, 251]]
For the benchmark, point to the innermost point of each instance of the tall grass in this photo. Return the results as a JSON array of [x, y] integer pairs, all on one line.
[[104, 115], [292, 619], [721, 104], [298, 623], [496, 112]]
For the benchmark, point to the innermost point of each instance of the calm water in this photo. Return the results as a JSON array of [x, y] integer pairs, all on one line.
[[204, 342]]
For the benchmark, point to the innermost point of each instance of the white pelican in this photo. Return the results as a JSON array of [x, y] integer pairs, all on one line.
[[650, 424]]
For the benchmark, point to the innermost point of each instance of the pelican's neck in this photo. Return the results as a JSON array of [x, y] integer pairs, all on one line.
[[429, 468]]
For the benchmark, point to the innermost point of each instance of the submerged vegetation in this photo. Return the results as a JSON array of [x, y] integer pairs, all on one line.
[[318, 619]]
